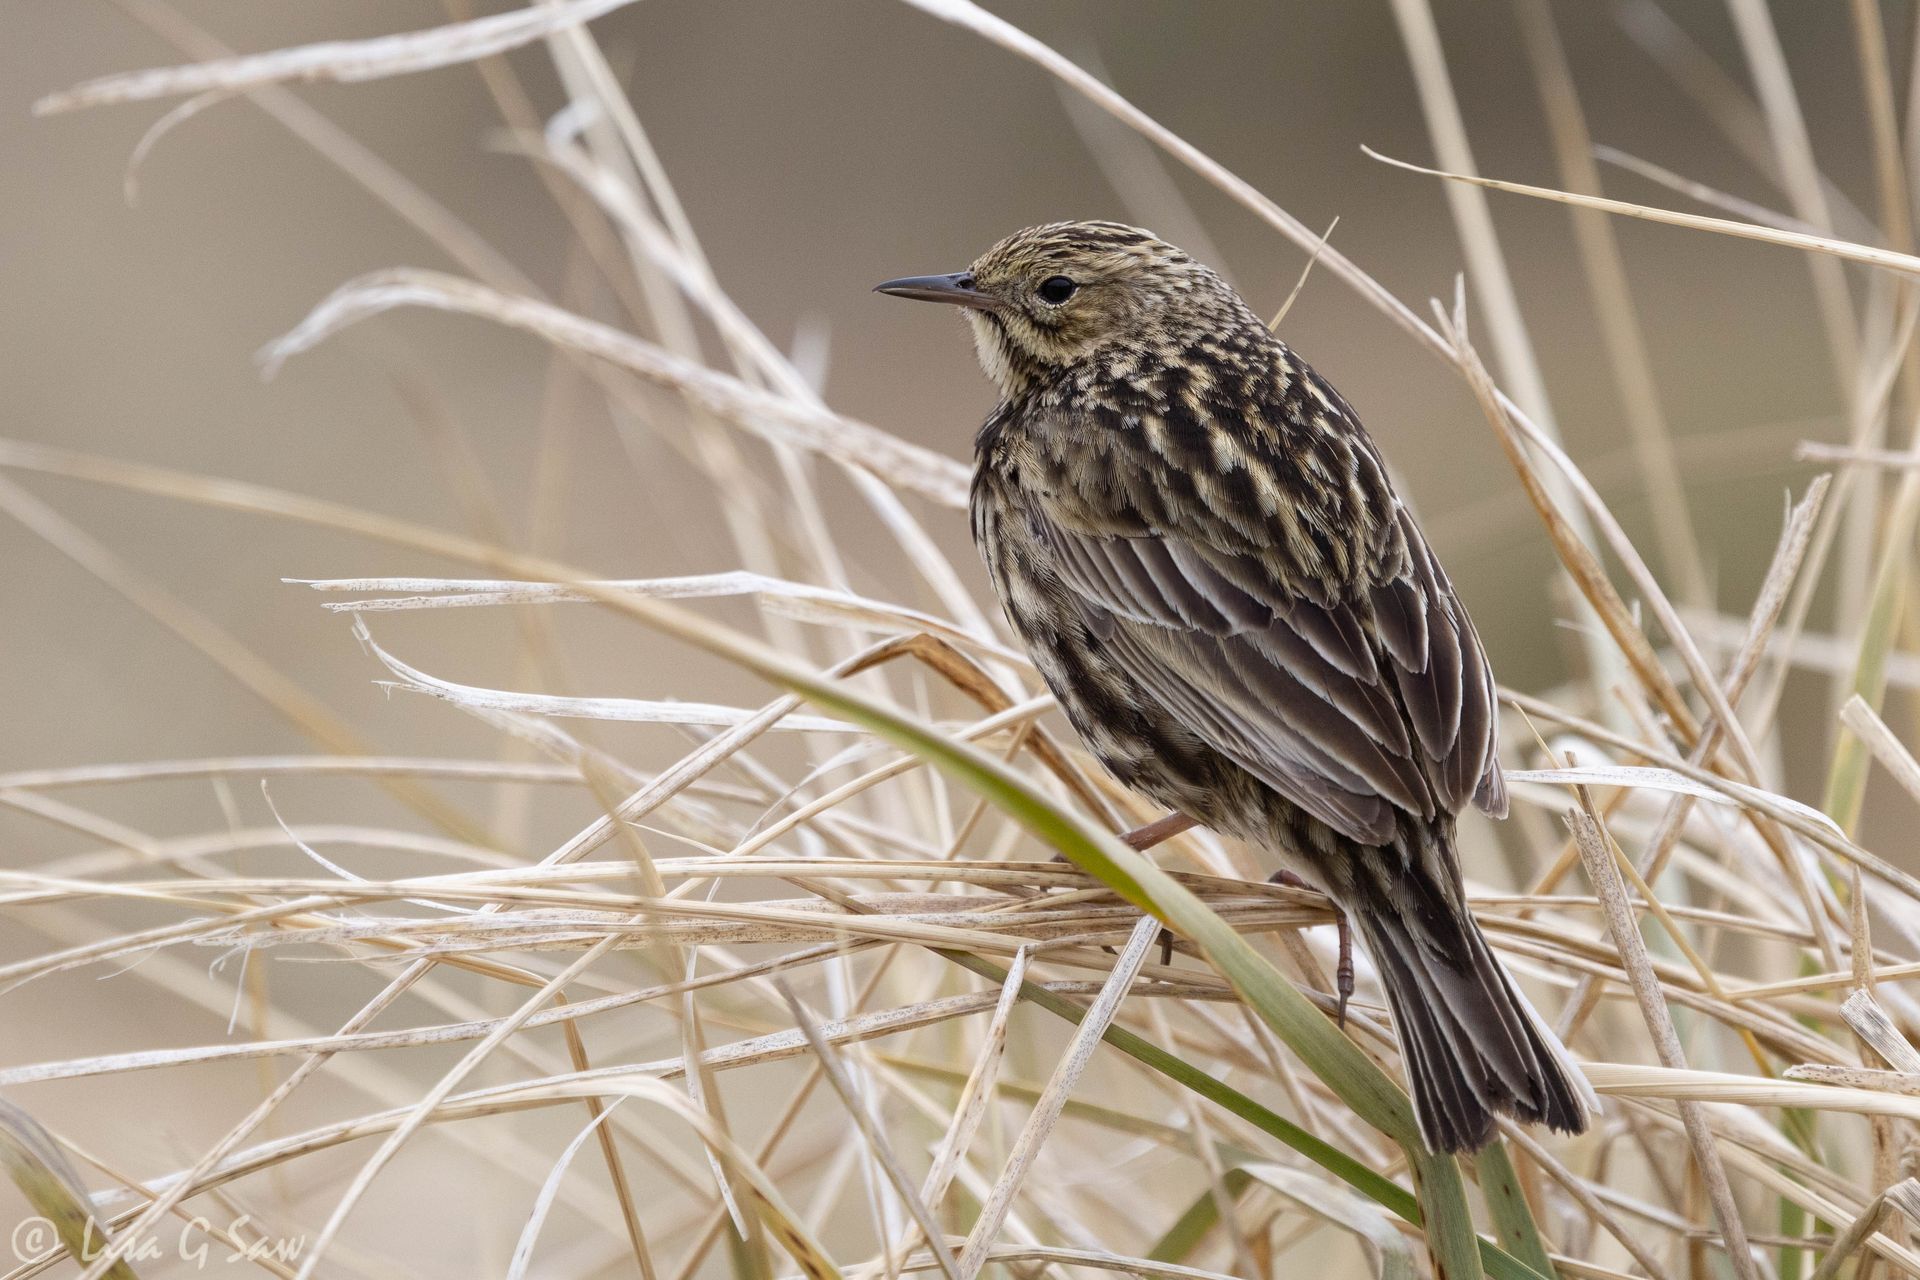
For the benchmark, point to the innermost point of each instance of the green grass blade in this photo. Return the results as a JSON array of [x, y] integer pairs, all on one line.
[[33, 1160], [1202, 1216], [1793, 1224], [1507, 1206]]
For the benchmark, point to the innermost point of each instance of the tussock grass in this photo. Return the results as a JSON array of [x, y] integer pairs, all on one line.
[[869, 906]]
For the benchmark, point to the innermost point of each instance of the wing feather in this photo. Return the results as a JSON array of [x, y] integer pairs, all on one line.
[[1351, 707], [1273, 750]]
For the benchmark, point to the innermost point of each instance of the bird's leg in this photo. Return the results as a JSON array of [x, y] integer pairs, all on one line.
[[1343, 970], [1141, 839], [1343, 966]]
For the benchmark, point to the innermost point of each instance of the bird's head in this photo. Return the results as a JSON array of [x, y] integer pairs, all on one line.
[[1069, 294]]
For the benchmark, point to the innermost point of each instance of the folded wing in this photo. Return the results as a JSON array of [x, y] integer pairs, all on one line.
[[1351, 706]]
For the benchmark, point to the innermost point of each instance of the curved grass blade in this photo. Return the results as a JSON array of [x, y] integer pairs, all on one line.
[[33, 1161]]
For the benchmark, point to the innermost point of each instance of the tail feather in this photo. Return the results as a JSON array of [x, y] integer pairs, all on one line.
[[1473, 1046]]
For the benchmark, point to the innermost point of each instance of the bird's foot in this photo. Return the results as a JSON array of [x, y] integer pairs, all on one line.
[[1343, 971], [1141, 839], [1343, 966]]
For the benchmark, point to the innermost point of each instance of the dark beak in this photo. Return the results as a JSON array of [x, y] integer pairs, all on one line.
[[957, 289]]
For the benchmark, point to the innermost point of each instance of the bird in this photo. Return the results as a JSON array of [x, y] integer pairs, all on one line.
[[1201, 550]]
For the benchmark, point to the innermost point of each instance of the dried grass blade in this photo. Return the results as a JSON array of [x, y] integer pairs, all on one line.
[[626, 709], [1597, 855], [870, 1129], [1901, 1197], [1486, 264], [1905, 264], [385, 182], [1870, 1078], [1492, 282], [1855, 455], [801, 600], [1392, 1258], [1859, 716], [1575, 555], [774, 418], [340, 60], [1066, 1075], [771, 1208], [543, 1203], [1735, 795], [1743, 210], [977, 1092], [1758, 803], [94, 775], [1872, 1024], [417, 1115], [1799, 172]]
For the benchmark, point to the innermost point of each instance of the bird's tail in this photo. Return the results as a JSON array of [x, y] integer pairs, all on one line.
[[1473, 1045]]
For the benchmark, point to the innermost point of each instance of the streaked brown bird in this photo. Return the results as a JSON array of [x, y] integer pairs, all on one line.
[[1198, 544]]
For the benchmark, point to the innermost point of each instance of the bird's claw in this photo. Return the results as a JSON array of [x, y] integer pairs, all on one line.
[[1343, 966]]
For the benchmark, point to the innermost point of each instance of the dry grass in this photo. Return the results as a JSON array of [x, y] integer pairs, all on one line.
[[868, 900]]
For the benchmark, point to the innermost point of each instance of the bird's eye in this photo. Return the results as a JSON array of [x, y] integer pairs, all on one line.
[[1055, 290]]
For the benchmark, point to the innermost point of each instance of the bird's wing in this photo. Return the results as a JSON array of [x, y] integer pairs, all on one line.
[[1352, 707]]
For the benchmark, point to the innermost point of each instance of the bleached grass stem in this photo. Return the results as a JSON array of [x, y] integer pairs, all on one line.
[[1598, 857], [1046, 1112]]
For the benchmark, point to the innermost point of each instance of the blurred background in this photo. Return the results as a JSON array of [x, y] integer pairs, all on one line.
[[818, 148]]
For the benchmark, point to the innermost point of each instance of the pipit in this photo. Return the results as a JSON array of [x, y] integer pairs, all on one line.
[[1197, 542]]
